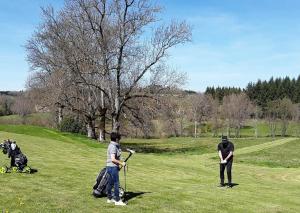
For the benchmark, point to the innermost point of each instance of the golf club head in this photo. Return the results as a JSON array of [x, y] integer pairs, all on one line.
[[131, 151]]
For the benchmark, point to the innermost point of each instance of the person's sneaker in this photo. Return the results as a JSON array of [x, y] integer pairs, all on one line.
[[110, 201], [221, 185], [120, 203]]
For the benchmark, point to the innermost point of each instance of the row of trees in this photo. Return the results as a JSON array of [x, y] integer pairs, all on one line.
[[6, 103], [262, 92], [18, 103], [172, 114], [230, 115], [220, 92], [103, 59]]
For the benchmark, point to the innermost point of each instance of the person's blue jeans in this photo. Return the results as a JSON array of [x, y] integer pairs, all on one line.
[[113, 181]]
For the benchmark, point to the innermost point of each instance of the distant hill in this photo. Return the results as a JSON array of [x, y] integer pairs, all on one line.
[[10, 93]]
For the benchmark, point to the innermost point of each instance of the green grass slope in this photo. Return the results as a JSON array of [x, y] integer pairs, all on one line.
[[285, 155], [157, 182]]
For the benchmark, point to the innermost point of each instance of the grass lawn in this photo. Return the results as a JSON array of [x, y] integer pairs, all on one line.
[[186, 144], [43, 119], [286, 155], [157, 181]]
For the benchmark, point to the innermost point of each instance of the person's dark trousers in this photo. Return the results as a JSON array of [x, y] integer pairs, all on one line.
[[113, 181], [228, 166]]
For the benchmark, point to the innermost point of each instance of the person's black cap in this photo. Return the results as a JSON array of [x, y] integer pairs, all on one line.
[[224, 138]]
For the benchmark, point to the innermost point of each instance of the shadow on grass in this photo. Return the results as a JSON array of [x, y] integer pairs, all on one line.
[[130, 195], [226, 185], [247, 127], [143, 148], [232, 185], [32, 171]]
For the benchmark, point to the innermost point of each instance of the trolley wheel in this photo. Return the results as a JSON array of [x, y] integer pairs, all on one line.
[[27, 169], [3, 169], [14, 169]]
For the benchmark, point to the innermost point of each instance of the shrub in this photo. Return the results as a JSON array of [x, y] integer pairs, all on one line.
[[70, 124]]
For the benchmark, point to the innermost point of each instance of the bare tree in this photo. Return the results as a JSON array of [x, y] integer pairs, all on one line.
[[169, 116], [23, 106], [139, 115], [257, 115], [285, 111], [6, 103], [100, 47], [201, 108], [61, 55], [236, 108], [136, 62], [296, 117], [216, 117], [183, 111], [272, 115]]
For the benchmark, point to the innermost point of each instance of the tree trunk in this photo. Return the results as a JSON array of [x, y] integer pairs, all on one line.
[[174, 128], [115, 124], [255, 129], [116, 115], [102, 129], [238, 132], [23, 117], [60, 114], [285, 124], [181, 126], [228, 131], [215, 132], [215, 127], [91, 132], [200, 130], [102, 125], [273, 128], [195, 131]]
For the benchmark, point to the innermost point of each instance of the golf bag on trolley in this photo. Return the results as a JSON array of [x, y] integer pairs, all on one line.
[[100, 187], [18, 161]]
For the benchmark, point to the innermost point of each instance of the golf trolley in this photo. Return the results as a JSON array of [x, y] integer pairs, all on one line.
[[18, 159], [99, 189]]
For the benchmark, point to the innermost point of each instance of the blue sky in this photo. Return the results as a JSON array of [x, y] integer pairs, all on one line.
[[234, 41]]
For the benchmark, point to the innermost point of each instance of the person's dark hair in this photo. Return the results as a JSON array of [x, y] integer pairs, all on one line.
[[115, 136]]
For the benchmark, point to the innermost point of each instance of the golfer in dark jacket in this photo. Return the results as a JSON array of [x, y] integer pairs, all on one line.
[[112, 164], [225, 149]]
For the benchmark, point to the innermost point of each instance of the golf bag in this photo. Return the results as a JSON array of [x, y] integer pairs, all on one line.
[[21, 161], [18, 161], [5, 146], [99, 189]]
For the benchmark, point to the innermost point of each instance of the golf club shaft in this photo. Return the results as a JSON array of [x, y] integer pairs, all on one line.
[[128, 157]]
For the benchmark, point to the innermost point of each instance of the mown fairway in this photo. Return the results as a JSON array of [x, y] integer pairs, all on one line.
[[170, 175]]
